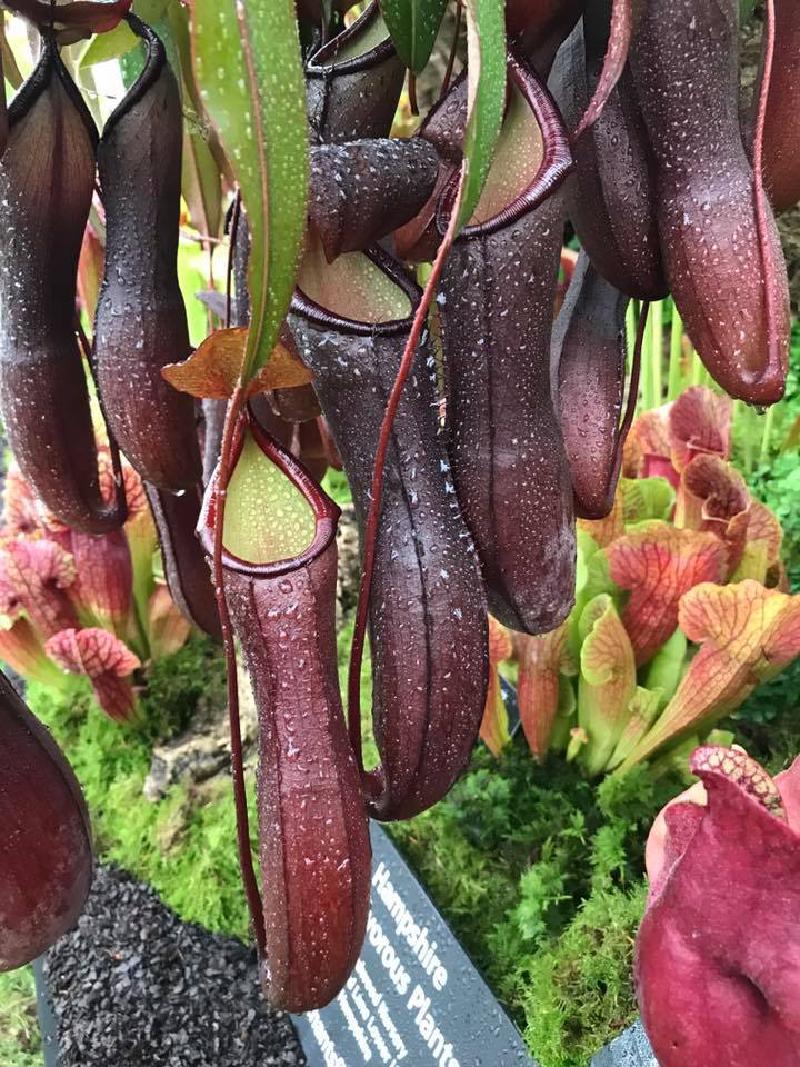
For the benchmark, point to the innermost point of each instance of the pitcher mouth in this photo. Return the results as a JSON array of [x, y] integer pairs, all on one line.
[[322, 63], [318, 315], [154, 64], [556, 165], [50, 64], [325, 511]]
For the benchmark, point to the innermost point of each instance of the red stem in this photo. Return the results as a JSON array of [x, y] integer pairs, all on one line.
[[376, 490], [235, 408], [759, 194], [412, 93], [619, 40], [636, 366]]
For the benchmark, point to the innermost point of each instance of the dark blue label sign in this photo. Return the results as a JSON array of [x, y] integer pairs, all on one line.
[[630, 1049], [414, 998]]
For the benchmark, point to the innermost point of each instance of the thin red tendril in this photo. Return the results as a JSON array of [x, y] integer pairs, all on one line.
[[376, 489], [619, 40], [636, 366], [235, 409], [759, 194], [630, 407], [448, 74]]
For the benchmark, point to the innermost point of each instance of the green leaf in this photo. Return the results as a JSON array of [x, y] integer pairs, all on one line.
[[178, 18], [746, 8], [666, 668], [587, 548], [646, 498], [607, 681], [267, 518], [151, 11], [119, 41], [565, 714], [486, 73], [592, 580], [193, 277], [247, 64], [201, 178], [8, 62], [131, 64], [643, 710], [111, 45], [201, 184], [413, 25]]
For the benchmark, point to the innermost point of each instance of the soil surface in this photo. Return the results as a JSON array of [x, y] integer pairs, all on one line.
[[133, 986]]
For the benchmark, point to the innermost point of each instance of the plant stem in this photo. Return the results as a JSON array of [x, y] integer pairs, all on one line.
[[376, 491], [657, 351], [630, 329], [647, 362], [223, 477], [774, 356], [675, 382], [448, 74], [766, 435], [633, 383], [748, 440]]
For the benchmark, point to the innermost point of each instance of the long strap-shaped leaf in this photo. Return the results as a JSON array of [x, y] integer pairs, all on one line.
[[246, 57], [413, 25], [261, 118], [486, 41]]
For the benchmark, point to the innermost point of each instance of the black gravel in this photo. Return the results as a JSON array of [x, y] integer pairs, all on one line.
[[133, 986]]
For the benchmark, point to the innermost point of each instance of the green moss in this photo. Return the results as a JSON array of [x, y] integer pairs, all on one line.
[[521, 859], [184, 846], [539, 874], [537, 871], [576, 993], [20, 1041]]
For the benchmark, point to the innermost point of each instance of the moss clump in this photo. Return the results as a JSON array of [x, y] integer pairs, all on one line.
[[539, 873], [185, 846], [576, 993], [20, 1041], [530, 865]]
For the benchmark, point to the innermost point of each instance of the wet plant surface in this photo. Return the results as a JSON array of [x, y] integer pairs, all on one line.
[[468, 311], [561, 864]]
